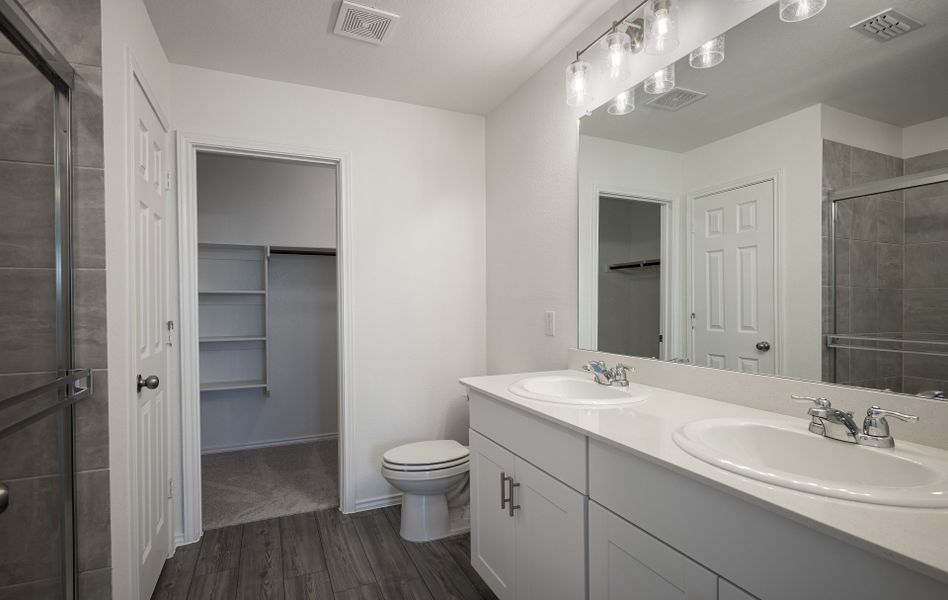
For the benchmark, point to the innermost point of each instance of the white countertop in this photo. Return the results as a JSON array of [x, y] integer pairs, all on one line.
[[914, 537]]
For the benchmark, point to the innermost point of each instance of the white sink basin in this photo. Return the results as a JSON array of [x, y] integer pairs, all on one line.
[[788, 455], [565, 389]]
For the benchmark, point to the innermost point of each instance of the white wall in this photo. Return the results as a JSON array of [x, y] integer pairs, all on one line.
[[792, 146], [265, 202], [925, 138], [418, 221], [532, 217], [125, 27], [854, 130]]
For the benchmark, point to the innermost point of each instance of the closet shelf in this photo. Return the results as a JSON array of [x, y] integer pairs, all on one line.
[[232, 338], [220, 386], [635, 264]]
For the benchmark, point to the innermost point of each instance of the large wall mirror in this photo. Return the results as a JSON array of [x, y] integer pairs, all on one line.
[[784, 211]]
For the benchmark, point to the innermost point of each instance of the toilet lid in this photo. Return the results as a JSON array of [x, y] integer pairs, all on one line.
[[431, 452], [416, 468]]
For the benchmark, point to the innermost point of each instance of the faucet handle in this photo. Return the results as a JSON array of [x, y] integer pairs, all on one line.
[[820, 402], [876, 413], [875, 425], [593, 364], [624, 368]]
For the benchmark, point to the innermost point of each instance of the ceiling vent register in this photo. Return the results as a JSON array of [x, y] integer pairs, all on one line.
[[364, 23], [887, 25], [676, 99]]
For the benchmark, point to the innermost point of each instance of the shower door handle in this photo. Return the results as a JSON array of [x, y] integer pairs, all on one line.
[[4, 497]]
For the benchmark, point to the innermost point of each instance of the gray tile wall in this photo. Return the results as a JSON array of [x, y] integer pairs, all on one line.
[[890, 274], [869, 256], [27, 315]]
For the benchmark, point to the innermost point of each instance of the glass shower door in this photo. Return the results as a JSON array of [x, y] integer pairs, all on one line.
[[37, 384]]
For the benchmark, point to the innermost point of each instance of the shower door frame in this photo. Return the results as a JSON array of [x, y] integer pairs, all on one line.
[[20, 29]]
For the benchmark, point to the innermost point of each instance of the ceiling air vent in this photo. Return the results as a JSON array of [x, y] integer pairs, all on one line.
[[676, 99], [886, 25], [364, 23]]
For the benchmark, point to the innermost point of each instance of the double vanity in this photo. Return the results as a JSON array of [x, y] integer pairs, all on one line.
[[590, 490]]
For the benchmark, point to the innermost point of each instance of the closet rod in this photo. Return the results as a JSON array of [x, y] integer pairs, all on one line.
[[303, 251]]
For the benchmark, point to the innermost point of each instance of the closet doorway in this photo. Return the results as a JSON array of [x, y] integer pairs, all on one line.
[[262, 334]]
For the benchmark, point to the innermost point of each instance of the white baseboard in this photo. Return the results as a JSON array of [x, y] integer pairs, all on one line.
[[378, 502], [319, 437]]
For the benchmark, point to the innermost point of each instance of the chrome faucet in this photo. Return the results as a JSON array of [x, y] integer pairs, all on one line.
[[617, 376], [840, 425]]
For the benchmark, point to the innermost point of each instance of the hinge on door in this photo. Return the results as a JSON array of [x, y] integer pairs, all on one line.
[[167, 180], [693, 320], [170, 333], [170, 489]]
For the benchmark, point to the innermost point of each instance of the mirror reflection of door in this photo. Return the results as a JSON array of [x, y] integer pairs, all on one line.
[[733, 273], [630, 276]]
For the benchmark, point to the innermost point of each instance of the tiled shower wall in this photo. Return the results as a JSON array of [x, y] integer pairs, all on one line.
[[27, 313], [887, 269]]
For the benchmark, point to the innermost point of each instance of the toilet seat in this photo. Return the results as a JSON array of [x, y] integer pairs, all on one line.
[[431, 454], [400, 475], [426, 467]]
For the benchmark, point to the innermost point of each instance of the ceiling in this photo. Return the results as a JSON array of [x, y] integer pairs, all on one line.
[[463, 55], [773, 68]]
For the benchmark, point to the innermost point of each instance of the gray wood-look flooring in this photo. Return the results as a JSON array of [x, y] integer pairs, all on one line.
[[322, 555]]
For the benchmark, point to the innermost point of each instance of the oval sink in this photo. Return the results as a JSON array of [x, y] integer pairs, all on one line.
[[788, 455], [564, 389]]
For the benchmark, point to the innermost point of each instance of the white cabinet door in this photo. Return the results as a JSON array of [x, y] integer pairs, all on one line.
[[625, 563], [550, 523], [493, 534]]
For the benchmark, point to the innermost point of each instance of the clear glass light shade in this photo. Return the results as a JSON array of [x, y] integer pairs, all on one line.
[[622, 104], [792, 11], [577, 83], [661, 82], [708, 54], [617, 56], [661, 26]]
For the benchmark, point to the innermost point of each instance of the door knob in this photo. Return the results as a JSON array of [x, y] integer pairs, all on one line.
[[763, 346], [4, 497], [151, 382]]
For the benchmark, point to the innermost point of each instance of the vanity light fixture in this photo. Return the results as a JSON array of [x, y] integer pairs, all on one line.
[[661, 26], [622, 104], [661, 81], [618, 55], [708, 54], [577, 82], [792, 11]]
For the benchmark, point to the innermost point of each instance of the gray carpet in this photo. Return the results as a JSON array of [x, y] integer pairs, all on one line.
[[252, 485]]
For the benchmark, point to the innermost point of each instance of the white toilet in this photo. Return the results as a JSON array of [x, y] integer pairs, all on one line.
[[426, 473]]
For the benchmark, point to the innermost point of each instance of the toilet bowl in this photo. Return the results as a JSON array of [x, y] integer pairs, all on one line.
[[426, 473]]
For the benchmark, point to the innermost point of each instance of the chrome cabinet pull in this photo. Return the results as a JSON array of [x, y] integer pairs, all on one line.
[[512, 507], [503, 491], [4, 497]]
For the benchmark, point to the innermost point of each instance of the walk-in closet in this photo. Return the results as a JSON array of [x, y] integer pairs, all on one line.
[[267, 313]]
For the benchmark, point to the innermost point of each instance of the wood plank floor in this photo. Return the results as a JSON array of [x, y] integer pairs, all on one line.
[[322, 555]]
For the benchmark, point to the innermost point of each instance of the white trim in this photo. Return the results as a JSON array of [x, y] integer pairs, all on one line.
[[123, 495], [777, 178], [378, 502], [188, 146], [589, 263], [305, 439]]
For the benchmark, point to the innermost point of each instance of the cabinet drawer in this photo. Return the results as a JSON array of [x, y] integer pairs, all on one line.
[[559, 451], [626, 563]]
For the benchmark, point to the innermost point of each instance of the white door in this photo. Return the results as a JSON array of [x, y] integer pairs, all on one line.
[[150, 315], [493, 535], [551, 519], [733, 279], [625, 563]]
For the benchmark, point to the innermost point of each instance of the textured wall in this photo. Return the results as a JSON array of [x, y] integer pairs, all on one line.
[[26, 274]]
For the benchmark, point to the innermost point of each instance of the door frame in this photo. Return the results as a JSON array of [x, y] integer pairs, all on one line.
[[776, 177], [589, 264], [188, 145], [124, 511]]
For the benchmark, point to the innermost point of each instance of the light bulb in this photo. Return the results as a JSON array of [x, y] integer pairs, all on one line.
[[622, 104], [708, 54], [661, 26], [661, 81], [792, 11], [618, 50], [577, 86]]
